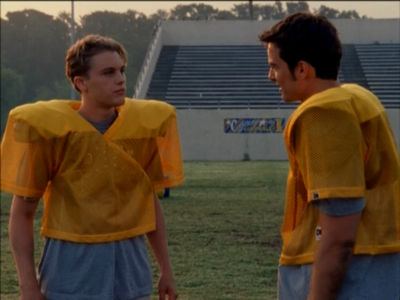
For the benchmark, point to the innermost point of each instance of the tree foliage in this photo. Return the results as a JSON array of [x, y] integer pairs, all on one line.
[[332, 13], [34, 44], [193, 12], [292, 7], [12, 90]]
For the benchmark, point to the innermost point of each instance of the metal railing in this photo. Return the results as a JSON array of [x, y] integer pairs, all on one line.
[[150, 48], [225, 103]]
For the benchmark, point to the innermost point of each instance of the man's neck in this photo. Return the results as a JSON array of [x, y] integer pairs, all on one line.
[[320, 85], [97, 114]]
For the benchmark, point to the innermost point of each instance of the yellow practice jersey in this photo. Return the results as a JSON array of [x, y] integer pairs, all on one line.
[[96, 188], [340, 145]]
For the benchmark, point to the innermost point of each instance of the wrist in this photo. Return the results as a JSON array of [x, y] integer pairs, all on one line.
[[31, 287], [166, 270]]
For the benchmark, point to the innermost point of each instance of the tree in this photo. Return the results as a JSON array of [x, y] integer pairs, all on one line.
[[279, 12], [65, 17], [332, 13], [225, 15], [161, 14], [292, 7], [242, 11], [328, 12], [56, 90], [34, 45], [267, 12], [12, 90], [193, 12], [349, 14]]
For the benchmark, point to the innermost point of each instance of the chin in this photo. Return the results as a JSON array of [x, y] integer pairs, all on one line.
[[119, 101], [288, 99]]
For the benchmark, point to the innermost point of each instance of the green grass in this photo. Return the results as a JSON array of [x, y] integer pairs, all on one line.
[[223, 227]]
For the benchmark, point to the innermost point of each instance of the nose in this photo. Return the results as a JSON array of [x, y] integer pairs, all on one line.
[[120, 78], [271, 75]]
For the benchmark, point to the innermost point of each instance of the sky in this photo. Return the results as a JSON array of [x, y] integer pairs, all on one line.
[[373, 9]]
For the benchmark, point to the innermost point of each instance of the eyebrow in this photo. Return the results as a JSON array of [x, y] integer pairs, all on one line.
[[112, 69]]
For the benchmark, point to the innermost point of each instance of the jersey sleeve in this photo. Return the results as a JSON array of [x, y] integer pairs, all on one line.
[[340, 206], [329, 151], [25, 160], [164, 165]]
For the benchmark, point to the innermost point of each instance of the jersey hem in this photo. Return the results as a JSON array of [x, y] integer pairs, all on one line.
[[335, 192], [100, 238], [12, 189], [168, 183], [365, 250]]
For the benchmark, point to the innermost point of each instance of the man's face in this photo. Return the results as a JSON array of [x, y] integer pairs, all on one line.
[[279, 72], [105, 83]]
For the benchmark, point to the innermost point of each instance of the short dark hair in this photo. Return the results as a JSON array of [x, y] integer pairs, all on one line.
[[308, 37], [79, 55]]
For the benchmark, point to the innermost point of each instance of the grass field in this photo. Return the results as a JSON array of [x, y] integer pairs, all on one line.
[[223, 229]]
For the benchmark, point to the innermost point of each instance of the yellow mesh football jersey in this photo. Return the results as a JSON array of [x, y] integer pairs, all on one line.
[[340, 145], [96, 188]]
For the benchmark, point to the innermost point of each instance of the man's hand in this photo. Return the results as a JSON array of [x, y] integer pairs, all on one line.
[[158, 243], [166, 286]]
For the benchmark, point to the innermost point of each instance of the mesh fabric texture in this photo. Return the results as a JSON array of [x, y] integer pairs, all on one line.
[[96, 188], [340, 145]]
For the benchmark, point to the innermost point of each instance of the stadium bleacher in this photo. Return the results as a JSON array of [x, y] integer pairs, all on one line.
[[236, 77], [381, 65]]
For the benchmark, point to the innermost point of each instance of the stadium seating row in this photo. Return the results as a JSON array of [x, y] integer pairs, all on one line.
[[230, 77]]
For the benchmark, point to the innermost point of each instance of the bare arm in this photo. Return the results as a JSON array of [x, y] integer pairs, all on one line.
[[333, 255], [158, 243], [21, 237]]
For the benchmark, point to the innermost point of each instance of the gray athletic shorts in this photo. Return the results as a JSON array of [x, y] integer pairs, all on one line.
[[108, 271], [368, 278]]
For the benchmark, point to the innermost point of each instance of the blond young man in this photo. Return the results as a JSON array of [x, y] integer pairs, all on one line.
[[341, 227], [96, 163]]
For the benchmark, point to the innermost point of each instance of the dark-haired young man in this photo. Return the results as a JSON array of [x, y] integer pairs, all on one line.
[[96, 163], [341, 228]]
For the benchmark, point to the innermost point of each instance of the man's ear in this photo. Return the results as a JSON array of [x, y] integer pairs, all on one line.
[[80, 83], [303, 70]]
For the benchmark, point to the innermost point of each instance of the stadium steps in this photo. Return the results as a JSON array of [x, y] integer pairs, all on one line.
[[230, 77], [351, 67], [162, 73], [381, 66]]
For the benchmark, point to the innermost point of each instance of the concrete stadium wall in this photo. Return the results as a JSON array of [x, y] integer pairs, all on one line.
[[202, 131], [203, 137], [246, 32]]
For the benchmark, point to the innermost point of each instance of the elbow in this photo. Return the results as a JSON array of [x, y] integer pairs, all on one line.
[[342, 249], [21, 213], [346, 249]]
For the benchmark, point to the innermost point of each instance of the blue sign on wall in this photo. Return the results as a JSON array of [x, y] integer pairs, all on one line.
[[253, 125]]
